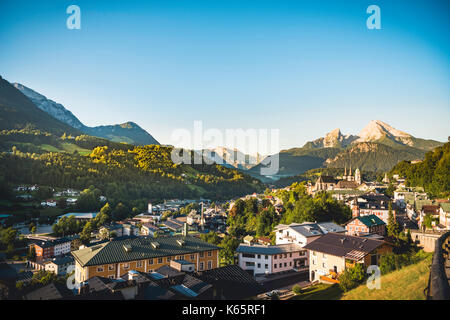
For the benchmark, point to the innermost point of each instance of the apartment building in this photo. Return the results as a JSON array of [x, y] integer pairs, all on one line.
[[263, 259], [145, 254]]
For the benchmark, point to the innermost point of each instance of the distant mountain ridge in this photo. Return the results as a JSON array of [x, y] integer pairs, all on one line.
[[377, 147], [128, 132], [375, 131], [18, 112]]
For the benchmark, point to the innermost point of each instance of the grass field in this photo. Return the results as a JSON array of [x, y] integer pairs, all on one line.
[[320, 291], [405, 284]]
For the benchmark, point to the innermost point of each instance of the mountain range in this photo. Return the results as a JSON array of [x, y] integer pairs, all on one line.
[[377, 147], [128, 132]]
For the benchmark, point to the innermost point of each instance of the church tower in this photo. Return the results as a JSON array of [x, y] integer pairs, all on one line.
[[357, 176]]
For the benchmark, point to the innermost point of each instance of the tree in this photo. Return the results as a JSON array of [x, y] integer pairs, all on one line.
[[393, 228], [85, 235], [352, 277]]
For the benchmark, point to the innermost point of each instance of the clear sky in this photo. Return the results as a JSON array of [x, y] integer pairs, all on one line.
[[304, 67]]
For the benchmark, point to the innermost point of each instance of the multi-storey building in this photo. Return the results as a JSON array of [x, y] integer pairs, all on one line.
[[263, 259], [332, 253], [47, 249], [145, 254], [366, 225]]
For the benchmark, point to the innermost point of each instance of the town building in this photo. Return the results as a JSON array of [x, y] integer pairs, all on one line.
[[114, 258], [365, 225], [261, 259], [332, 253], [48, 249], [303, 233], [60, 265]]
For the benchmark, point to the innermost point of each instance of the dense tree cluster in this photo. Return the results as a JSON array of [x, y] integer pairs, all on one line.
[[433, 173], [301, 207], [137, 174]]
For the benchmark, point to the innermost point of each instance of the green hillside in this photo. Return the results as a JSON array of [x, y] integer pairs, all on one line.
[[298, 160], [407, 283], [433, 173], [376, 157]]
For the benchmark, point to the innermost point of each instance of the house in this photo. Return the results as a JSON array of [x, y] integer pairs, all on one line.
[[364, 225], [49, 203], [429, 209], [53, 291], [265, 241], [332, 253], [112, 229], [60, 265], [80, 216], [231, 283], [444, 215], [149, 229], [303, 233], [114, 258], [380, 209], [173, 224], [249, 239], [48, 249], [262, 259]]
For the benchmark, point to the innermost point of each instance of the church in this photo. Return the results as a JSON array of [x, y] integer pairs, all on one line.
[[347, 181]]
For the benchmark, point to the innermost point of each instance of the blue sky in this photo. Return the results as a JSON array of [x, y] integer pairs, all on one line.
[[304, 67]]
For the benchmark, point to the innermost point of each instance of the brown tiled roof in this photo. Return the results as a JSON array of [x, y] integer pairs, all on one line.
[[340, 245]]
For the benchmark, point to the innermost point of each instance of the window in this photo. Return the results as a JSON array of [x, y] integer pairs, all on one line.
[[111, 276], [159, 260], [201, 265], [259, 256], [209, 264], [266, 266], [290, 264], [274, 257], [99, 269], [192, 256], [150, 261], [126, 265], [290, 255], [111, 267], [324, 265], [209, 253], [285, 264], [201, 254], [247, 255], [314, 262], [247, 264], [139, 264], [266, 257], [275, 266], [259, 265], [168, 259], [313, 253]]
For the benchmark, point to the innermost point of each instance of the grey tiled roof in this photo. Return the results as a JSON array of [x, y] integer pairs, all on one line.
[[141, 248], [269, 250]]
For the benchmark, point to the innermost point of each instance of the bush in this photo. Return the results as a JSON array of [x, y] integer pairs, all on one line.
[[352, 277], [297, 289]]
